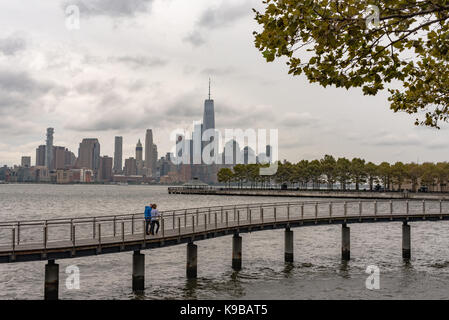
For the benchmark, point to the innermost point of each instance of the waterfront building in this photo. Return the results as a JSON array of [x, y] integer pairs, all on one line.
[[59, 154], [89, 154], [40, 174], [82, 175], [185, 173], [69, 159], [118, 155], [40, 156], [130, 167], [105, 170], [135, 179], [24, 174], [64, 176], [166, 165], [26, 162]]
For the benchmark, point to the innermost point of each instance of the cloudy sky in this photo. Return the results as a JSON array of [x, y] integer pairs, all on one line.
[[141, 64]]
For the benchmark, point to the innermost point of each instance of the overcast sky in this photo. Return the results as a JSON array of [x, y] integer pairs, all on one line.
[[141, 64]]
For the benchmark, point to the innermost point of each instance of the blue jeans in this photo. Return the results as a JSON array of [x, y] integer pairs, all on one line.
[[147, 224], [154, 222]]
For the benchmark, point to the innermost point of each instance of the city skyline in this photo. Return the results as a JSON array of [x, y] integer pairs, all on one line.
[[54, 77], [89, 155]]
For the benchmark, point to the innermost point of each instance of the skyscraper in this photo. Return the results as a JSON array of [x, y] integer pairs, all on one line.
[[155, 157], [49, 148], [89, 154], [130, 167], [208, 121], [58, 158], [118, 155], [69, 159], [209, 113], [139, 159], [40, 156], [139, 151], [150, 154], [105, 170]]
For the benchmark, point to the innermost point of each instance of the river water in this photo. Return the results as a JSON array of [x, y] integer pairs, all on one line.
[[317, 273]]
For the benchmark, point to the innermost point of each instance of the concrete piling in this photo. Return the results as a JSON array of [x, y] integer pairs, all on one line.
[[345, 243], [288, 255], [192, 260], [237, 252], [406, 241], [138, 272], [51, 288]]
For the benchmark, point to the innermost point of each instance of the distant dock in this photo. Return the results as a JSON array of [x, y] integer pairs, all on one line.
[[309, 193]]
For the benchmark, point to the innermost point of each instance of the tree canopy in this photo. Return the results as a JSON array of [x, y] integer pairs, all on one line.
[[352, 43], [328, 170]]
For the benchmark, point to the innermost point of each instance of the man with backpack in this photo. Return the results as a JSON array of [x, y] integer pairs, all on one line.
[[148, 218]]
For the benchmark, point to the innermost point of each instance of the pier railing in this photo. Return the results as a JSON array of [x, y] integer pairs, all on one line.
[[45, 233]]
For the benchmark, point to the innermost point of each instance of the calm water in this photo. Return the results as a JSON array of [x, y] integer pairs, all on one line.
[[318, 272]]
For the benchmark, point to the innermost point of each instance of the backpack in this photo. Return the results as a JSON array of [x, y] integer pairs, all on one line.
[[147, 213]]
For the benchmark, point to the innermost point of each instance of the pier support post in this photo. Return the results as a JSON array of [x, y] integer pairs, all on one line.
[[288, 245], [236, 252], [345, 242], [138, 272], [192, 260], [406, 241], [51, 280]]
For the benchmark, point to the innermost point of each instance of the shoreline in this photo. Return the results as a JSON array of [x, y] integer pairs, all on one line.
[[312, 193]]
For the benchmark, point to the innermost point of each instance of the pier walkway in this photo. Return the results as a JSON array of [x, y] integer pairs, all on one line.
[[63, 238]]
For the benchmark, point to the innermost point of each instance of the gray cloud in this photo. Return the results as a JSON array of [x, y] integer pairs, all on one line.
[[9, 125], [244, 117], [21, 82], [95, 86], [195, 38], [390, 140], [295, 120], [132, 61], [437, 145], [223, 15], [186, 106], [217, 17], [19, 91], [109, 113], [11, 45], [111, 8], [139, 61]]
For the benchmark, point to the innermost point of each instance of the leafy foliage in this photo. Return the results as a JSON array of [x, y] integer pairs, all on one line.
[[344, 171], [409, 46]]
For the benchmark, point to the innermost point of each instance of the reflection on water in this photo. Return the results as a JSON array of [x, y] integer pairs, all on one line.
[[344, 270], [317, 273], [289, 266], [190, 289]]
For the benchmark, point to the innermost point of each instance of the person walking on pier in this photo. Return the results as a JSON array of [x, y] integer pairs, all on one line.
[[148, 218], [155, 215]]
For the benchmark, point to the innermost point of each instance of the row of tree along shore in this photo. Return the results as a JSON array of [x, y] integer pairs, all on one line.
[[342, 174]]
